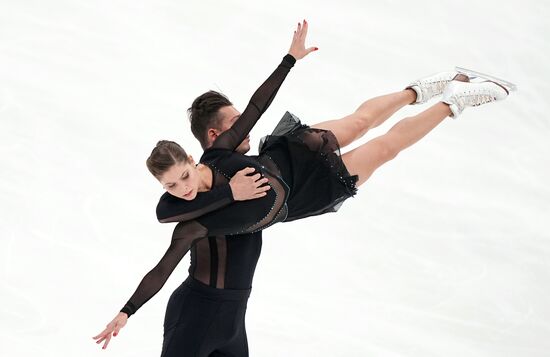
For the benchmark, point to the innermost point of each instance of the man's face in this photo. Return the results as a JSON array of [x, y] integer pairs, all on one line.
[[228, 116]]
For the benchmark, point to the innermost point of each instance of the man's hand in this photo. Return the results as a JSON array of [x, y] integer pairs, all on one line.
[[298, 49], [245, 187]]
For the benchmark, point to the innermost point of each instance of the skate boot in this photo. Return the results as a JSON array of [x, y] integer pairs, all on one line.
[[460, 95], [434, 85]]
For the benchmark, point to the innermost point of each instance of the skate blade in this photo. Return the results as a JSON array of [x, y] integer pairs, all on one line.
[[473, 74]]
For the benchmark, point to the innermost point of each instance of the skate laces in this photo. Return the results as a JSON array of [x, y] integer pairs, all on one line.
[[436, 85], [474, 96]]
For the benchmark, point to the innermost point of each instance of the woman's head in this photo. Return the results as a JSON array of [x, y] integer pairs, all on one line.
[[175, 170]]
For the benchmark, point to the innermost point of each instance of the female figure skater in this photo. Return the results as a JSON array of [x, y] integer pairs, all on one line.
[[306, 174]]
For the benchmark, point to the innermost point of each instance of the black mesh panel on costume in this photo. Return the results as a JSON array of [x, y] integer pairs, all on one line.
[[222, 261], [279, 210], [200, 261], [209, 259]]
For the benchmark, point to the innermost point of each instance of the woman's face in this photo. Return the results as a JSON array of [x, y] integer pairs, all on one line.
[[182, 180]]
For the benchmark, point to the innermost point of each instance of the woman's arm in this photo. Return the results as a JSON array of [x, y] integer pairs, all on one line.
[[260, 101], [184, 236], [225, 221], [229, 220], [264, 95]]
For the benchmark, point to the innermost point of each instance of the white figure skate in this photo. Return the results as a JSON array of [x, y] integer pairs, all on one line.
[[478, 76], [431, 86], [460, 95]]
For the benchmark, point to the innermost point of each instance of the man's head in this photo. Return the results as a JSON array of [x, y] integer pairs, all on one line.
[[211, 114]]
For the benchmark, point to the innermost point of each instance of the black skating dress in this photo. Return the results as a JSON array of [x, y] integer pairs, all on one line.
[[305, 172]]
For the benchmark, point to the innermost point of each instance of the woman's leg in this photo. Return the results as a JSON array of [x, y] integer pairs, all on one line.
[[369, 115], [365, 159], [375, 111]]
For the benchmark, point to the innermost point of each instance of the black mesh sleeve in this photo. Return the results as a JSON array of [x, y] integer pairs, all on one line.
[[184, 236], [233, 219], [260, 101], [174, 209]]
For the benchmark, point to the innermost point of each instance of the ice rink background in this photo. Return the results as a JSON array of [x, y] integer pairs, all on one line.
[[445, 251]]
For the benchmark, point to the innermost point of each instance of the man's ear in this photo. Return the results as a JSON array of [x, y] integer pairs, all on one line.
[[212, 134], [190, 160]]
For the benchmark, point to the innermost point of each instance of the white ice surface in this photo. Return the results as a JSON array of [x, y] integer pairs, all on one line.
[[445, 251]]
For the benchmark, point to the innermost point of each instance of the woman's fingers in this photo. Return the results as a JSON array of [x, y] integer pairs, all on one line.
[[98, 336], [111, 330], [103, 333], [304, 32], [297, 48], [311, 49], [299, 31], [107, 341], [117, 329]]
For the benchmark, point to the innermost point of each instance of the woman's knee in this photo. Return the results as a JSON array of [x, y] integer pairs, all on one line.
[[386, 150], [361, 122]]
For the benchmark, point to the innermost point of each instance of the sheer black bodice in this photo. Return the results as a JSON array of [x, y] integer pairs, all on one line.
[[216, 215]]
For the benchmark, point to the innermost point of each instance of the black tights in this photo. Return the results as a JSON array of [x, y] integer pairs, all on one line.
[[202, 321]]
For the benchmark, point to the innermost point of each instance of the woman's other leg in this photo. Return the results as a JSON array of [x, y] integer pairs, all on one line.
[[365, 159], [375, 111], [370, 114]]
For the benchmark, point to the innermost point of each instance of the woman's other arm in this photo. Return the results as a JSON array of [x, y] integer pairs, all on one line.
[[264, 95], [184, 236]]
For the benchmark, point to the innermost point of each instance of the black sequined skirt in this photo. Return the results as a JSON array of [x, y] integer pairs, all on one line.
[[310, 163]]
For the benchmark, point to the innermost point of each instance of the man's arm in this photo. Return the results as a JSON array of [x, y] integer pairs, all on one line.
[[244, 185], [175, 209]]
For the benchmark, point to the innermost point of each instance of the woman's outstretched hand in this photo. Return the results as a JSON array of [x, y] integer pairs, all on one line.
[[298, 49], [113, 327]]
